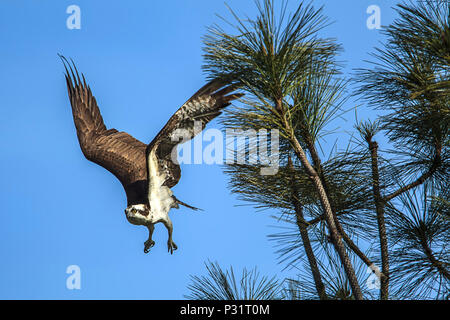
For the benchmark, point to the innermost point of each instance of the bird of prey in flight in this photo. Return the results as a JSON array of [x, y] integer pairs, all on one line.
[[146, 171]]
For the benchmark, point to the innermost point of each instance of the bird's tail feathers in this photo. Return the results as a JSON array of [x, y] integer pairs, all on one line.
[[185, 204]]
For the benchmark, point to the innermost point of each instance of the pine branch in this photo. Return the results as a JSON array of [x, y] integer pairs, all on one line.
[[302, 226], [318, 165], [335, 235], [428, 174], [379, 205]]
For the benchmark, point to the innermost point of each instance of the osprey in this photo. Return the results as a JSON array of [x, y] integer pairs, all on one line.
[[146, 172]]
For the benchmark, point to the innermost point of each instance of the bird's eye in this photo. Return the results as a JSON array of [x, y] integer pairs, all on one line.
[[133, 210]]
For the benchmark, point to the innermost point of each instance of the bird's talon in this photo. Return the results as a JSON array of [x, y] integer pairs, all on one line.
[[171, 246], [147, 245]]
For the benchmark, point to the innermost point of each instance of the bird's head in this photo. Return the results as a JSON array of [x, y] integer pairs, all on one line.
[[137, 214]]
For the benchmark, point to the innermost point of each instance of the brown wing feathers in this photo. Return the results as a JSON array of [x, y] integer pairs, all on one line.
[[203, 106], [86, 115], [118, 152]]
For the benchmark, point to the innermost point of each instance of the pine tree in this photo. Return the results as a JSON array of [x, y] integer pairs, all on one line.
[[394, 200]]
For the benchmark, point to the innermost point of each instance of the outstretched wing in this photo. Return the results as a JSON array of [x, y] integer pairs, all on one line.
[[117, 152], [192, 117]]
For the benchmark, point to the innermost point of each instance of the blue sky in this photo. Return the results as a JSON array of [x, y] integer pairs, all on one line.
[[142, 60]]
